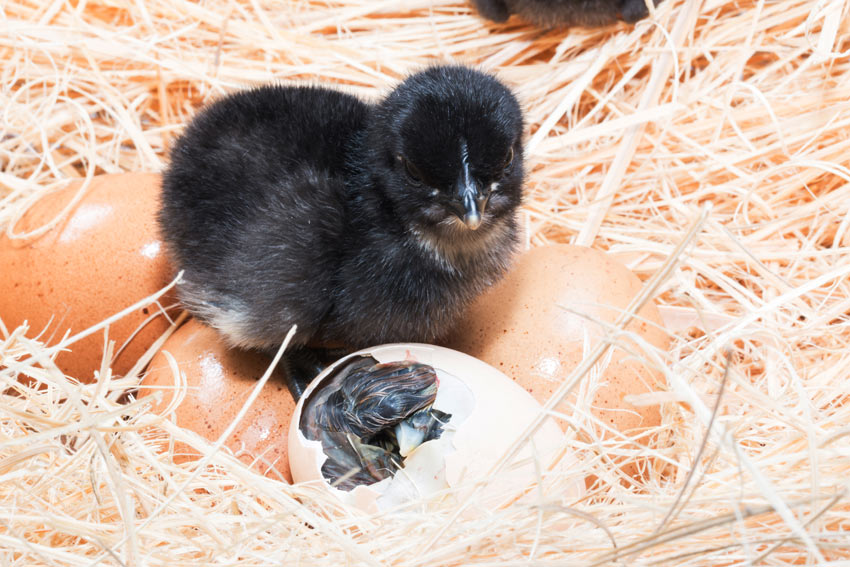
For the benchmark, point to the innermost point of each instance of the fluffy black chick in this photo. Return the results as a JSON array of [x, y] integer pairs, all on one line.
[[564, 12], [361, 223]]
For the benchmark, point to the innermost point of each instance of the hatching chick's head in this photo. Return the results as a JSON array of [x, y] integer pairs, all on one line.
[[372, 398], [447, 142]]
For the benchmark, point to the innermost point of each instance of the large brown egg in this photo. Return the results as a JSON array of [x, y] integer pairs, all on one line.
[[219, 381], [103, 256], [552, 308]]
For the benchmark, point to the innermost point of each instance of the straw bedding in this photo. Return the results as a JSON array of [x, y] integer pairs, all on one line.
[[728, 119]]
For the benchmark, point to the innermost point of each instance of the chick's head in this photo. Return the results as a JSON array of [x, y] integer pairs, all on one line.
[[451, 155]]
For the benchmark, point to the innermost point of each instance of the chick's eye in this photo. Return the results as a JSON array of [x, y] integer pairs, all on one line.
[[411, 171], [509, 160]]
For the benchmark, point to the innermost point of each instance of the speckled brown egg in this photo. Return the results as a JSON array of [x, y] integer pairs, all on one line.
[[103, 256], [219, 381], [550, 309]]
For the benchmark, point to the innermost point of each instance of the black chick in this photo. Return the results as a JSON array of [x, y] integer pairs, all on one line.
[[564, 12], [361, 223]]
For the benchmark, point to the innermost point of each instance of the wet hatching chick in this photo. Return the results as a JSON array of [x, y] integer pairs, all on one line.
[[370, 416], [564, 12], [361, 223]]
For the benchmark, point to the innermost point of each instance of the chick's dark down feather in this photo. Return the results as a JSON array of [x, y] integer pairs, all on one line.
[[361, 223], [564, 12]]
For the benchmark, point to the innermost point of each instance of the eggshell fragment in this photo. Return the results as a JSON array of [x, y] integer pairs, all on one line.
[[489, 413], [219, 382], [104, 255], [556, 304]]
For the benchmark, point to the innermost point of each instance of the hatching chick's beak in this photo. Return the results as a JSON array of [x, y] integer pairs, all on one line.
[[408, 437], [416, 429]]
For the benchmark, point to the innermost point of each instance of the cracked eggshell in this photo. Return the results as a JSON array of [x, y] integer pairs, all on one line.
[[552, 307], [102, 256], [219, 380], [489, 412]]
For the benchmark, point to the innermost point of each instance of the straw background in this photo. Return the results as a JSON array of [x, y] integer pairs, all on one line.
[[632, 131]]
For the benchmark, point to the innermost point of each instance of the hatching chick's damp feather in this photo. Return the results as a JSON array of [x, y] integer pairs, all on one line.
[[361, 223], [360, 411], [564, 12], [372, 398]]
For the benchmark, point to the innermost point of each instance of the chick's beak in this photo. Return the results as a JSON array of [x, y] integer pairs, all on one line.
[[408, 437], [470, 203]]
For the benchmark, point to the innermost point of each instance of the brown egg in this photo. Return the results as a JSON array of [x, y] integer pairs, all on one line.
[[533, 326], [104, 255], [219, 382]]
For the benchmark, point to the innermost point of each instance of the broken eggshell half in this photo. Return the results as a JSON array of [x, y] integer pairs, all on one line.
[[487, 413]]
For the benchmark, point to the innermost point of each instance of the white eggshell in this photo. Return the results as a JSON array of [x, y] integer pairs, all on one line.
[[489, 413]]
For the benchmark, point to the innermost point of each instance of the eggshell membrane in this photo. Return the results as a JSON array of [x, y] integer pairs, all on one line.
[[536, 324], [104, 255], [500, 414], [219, 382]]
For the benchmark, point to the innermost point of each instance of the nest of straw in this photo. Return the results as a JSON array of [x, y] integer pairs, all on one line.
[[633, 132]]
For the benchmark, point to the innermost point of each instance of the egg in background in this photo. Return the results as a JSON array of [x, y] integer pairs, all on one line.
[[219, 381], [103, 256], [551, 308]]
